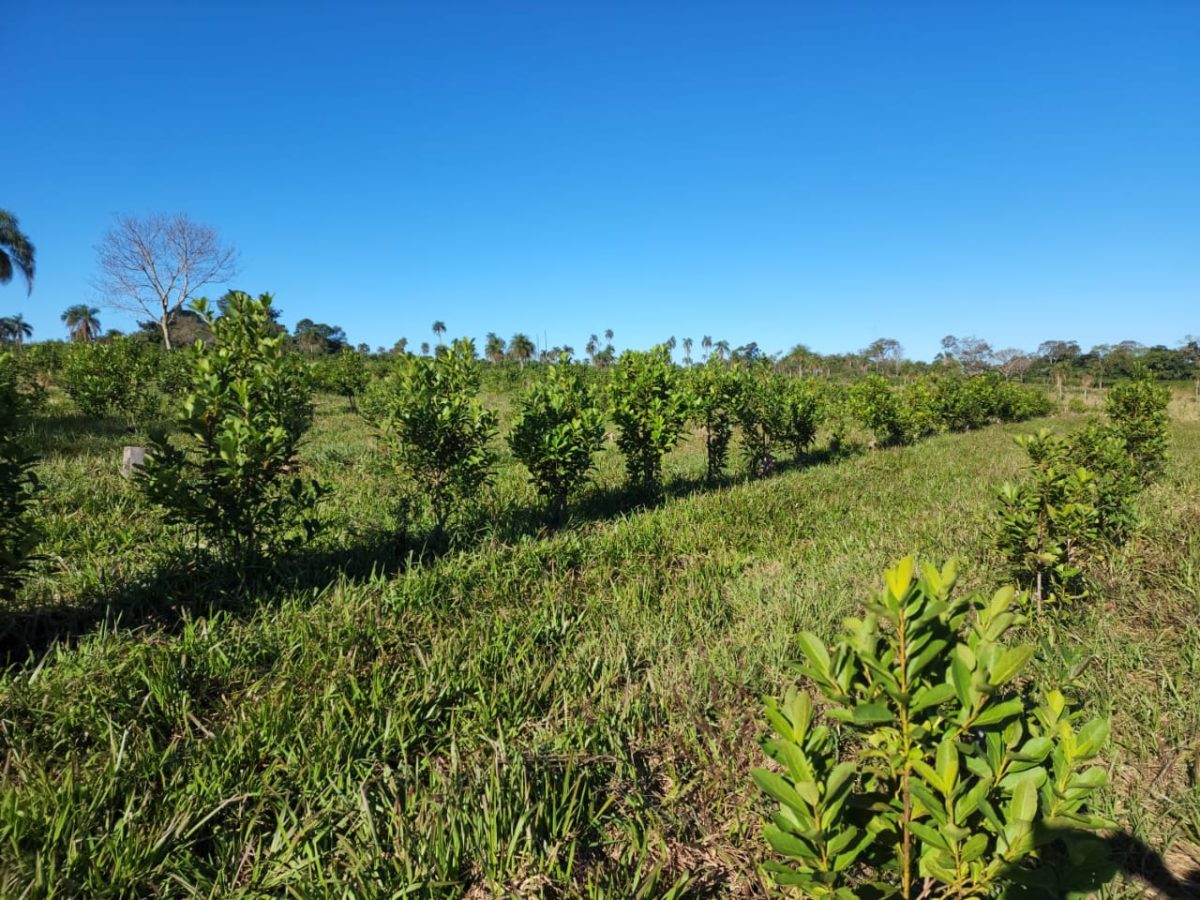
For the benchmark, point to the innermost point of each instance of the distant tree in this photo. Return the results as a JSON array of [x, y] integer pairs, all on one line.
[[722, 349], [687, 351], [400, 347], [885, 350], [317, 337], [799, 360], [591, 348], [439, 328], [750, 352], [972, 354], [82, 322], [424, 348], [521, 348], [1013, 363], [1058, 351], [14, 330], [706, 342], [16, 251], [494, 347], [156, 264], [364, 349], [608, 334], [670, 344]]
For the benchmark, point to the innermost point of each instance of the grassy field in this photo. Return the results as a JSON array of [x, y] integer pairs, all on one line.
[[539, 711]]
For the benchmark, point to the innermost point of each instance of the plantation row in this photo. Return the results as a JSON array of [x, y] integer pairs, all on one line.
[[244, 402], [939, 772]]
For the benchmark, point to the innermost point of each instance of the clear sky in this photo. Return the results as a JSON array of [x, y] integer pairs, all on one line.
[[821, 172]]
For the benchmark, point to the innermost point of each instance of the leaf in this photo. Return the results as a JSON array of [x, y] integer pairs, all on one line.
[[932, 696], [778, 788], [814, 650], [872, 713], [1000, 712], [1010, 663]]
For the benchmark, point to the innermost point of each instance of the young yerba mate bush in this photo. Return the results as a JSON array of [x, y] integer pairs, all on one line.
[[558, 431], [651, 408], [249, 404], [18, 483], [935, 774]]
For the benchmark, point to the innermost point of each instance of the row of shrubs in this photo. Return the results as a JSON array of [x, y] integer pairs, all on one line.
[[934, 769], [244, 402]]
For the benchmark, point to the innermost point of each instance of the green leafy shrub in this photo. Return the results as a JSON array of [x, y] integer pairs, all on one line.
[[18, 483], [344, 374], [651, 409], [558, 431], [936, 776], [1138, 410], [1047, 524], [248, 406], [1101, 450], [803, 413], [713, 387], [432, 421], [881, 411], [114, 377], [762, 416], [922, 405]]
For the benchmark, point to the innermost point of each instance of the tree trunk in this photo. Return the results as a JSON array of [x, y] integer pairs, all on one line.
[[164, 324]]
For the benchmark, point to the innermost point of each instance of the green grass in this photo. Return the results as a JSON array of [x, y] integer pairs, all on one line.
[[538, 711]]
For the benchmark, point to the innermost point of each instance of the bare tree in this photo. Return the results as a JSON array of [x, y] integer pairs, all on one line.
[[156, 264]]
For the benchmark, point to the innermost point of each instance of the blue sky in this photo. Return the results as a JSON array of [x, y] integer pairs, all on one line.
[[824, 173]]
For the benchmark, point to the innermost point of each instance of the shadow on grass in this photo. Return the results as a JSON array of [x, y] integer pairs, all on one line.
[[186, 585], [195, 584], [1079, 863]]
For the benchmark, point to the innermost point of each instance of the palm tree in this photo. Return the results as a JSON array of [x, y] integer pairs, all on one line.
[[82, 322], [687, 351], [722, 349], [439, 328], [591, 347], [706, 342], [493, 347], [521, 348], [424, 348], [608, 334], [14, 330], [16, 251]]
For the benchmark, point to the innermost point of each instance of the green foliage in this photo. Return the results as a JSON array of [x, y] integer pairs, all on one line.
[[432, 422], [1048, 523], [248, 406], [1138, 410], [880, 410], [1101, 450], [803, 413], [114, 377], [344, 374], [762, 414], [651, 408], [940, 776], [558, 430], [18, 483], [713, 387], [1078, 498]]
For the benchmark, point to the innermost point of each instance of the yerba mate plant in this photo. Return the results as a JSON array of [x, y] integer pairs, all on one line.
[[934, 773]]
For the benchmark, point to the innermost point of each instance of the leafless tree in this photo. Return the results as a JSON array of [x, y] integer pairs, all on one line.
[[1013, 362], [156, 264]]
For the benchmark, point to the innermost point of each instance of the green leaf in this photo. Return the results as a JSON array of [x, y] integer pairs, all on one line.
[[872, 713], [999, 712], [814, 650], [1010, 663], [932, 696]]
